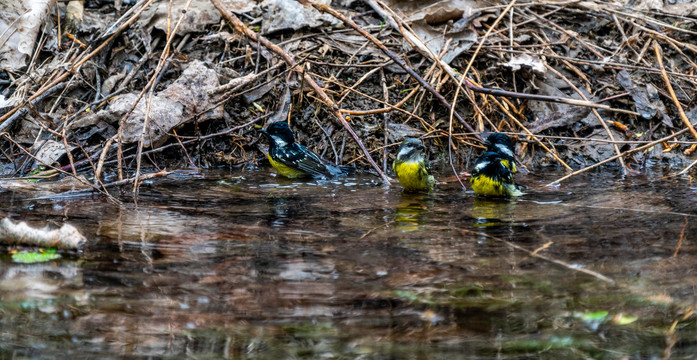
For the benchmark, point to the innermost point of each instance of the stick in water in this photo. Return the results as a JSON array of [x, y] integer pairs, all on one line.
[[67, 237]]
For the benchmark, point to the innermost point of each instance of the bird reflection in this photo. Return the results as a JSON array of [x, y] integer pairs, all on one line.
[[493, 212], [410, 210], [284, 208]]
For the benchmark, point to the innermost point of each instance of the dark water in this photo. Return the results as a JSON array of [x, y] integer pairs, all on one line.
[[247, 265]]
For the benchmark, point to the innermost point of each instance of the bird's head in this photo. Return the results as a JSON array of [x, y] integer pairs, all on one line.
[[497, 142], [489, 164], [279, 133], [411, 150]]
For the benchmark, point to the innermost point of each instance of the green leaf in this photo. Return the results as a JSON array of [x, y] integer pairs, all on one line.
[[594, 316], [624, 320], [34, 257]]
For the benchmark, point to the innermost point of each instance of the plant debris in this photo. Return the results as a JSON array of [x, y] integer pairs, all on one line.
[[579, 84]]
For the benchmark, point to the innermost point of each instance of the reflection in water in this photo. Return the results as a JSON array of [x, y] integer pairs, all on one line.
[[283, 209], [410, 210], [39, 281], [493, 212], [259, 267]]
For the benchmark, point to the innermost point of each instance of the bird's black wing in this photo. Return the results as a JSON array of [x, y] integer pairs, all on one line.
[[301, 158], [505, 173]]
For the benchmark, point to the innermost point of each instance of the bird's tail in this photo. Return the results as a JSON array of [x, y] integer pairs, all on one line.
[[347, 169], [516, 190]]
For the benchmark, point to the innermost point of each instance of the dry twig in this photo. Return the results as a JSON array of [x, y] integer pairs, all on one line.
[[683, 117], [631, 151], [390, 54], [595, 112]]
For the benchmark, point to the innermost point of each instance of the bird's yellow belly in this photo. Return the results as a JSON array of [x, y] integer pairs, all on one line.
[[413, 176], [286, 170], [487, 186]]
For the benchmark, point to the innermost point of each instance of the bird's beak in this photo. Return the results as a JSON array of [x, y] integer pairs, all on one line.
[[421, 147], [485, 135], [263, 132]]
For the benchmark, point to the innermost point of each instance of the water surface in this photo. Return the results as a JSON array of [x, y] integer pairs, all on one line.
[[249, 265]]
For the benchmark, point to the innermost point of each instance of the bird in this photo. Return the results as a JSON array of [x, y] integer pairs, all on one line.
[[411, 166], [502, 144], [293, 160], [492, 177]]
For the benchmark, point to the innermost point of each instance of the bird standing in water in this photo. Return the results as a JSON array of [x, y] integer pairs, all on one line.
[[494, 170], [412, 168], [293, 160]]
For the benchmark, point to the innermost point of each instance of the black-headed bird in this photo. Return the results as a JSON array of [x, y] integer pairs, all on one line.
[[491, 177], [293, 160], [412, 168], [502, 144]]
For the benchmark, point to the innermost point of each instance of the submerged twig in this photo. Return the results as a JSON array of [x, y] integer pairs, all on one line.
[[682, 238], [70, 193], [566, 265]]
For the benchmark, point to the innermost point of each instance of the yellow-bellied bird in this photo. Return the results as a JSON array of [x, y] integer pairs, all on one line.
[[411, 166], [492, 177]]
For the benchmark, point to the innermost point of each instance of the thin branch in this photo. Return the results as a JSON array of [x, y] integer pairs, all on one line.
[[631, 151], [160, 67], [595, 112], [390, 54], [685, 120]]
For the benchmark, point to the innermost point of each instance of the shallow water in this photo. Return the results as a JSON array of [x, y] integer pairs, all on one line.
[[249, 265]]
